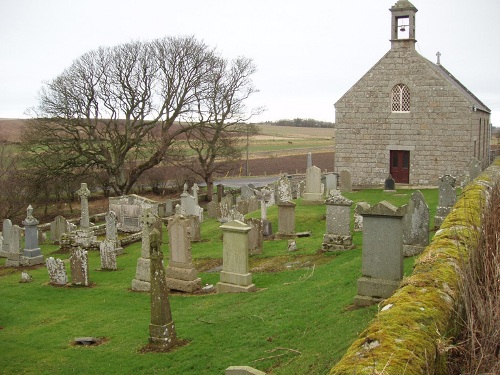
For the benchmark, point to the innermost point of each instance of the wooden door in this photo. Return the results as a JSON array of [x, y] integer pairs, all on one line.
[[400, 166]]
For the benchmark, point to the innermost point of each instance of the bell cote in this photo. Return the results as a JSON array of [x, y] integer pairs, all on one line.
[[403, 25]]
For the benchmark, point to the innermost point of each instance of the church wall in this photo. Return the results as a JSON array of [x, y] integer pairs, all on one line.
[[436, 131]]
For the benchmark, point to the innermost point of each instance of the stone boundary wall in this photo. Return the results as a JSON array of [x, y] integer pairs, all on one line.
[[412, 327]]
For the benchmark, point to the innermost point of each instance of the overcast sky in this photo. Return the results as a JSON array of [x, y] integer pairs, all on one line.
[[308, 53]]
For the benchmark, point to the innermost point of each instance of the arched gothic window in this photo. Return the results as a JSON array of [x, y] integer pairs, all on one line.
[[400, 101]]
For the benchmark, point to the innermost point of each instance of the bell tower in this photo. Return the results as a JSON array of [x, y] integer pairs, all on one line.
[[403, 25]]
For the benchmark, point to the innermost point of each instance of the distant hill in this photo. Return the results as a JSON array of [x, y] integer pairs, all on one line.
[[10, 130]]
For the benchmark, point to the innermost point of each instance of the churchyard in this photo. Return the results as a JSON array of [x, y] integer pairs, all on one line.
[[300, 318]]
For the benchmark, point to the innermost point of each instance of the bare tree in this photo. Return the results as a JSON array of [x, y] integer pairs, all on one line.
[[14, 196], [120, 109], [222, 118]]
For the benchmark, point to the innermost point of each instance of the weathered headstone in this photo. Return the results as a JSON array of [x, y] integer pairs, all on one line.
[[15, 247], [345, 181], [382, 255], [213, 210], [330, 182], [447, 199], [247, 192], [292, 245], [416, 225], [107, 251], [161, 329], [181, 275], [195, 228], [57, 228], [32, 254], [234, 214], [389, 184], [112, 231], [358, 219], [338, 217], [79, 262], [84, 235], [141, 282], [220, 192], [6, 229], [255, 239], [235, 276], [284, 190], [57, 271], [286, 220], [313, 194]]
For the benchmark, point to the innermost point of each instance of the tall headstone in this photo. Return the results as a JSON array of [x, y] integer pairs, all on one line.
[[286, 220], [313, 193], [309, 161], [267, 228], [220, 192], [338, 218], [330, 183], [79, 262], [195, 228], [57, 271], [195, 189], [416, 225], [235, 276], [161, 329], [112, 231], [141, 282], [32, 254], [345, 181], [447, 199], [84, 235], [6, 229], [382, 256], [107, 249], [15, 247], [181, 274]]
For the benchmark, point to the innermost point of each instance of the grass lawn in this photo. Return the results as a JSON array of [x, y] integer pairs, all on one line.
[[300, 321]]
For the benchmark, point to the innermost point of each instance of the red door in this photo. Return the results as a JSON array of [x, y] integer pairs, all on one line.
[[400, 166]]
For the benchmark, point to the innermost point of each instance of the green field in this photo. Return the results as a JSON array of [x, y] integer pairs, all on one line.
[[300, 321]]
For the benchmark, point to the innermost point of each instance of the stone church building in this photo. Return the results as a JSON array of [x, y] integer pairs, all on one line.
[[409, 117]]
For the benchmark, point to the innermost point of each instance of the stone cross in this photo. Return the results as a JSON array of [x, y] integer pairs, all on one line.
[[161, 329], [438, 58], [84, 194], [147, 219], [309, 160]]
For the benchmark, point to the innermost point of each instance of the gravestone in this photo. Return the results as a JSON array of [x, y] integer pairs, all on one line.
[[220, 192], [141, 282], [15, 247], [235, 276], [313, 193], [213, 210], [358, 219], [57, 228], [474, 168], [161, 329], [243, 370], [330, 183], [253, 204], [382, 254], [79, 263], [345, 181], [169, 207], [416, 225], [292, 245], [188, 203], [284, 190], [338, 218], [247, 192], [309, 161], [107, 249], [84, 234], [181, 275], [6, 229], [255, 236], [112, 231], [267, 228], [57, 271], [389, 184], [234, 214], [128, 210], [195, 228], [447, 199], [286, 220], [32, 254]]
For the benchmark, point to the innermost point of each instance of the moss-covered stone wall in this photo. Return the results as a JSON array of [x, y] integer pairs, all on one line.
[[411, 331]]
